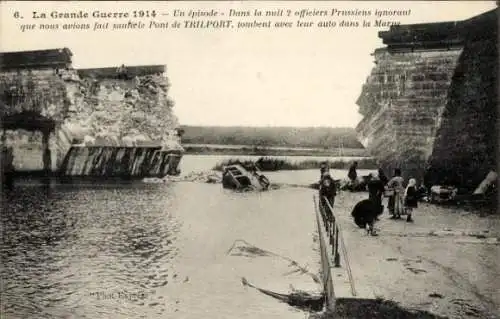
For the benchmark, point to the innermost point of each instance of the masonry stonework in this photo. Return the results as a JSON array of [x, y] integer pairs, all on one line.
[[45, 101], [429, 104]]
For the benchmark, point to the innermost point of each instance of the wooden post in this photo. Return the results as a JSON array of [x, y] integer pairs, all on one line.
[[336, 255], [332, 239], [47, 159]]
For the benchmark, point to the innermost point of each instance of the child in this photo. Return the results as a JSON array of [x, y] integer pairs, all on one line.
[[411, 198]]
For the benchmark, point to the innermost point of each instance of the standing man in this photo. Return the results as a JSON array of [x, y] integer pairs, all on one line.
[[383, 181], [353, 175], [375, 192], [327, 192], [323, 168]]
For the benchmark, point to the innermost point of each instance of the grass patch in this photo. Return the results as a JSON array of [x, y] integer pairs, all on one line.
[[271, 164], [269, 151], [373, 309], [317, 137]]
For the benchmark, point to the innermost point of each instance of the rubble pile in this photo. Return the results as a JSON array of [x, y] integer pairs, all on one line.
[[118, 111], [211, 177], [76, 108]]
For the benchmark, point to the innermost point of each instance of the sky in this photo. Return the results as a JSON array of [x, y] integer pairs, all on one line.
[[230, 77]]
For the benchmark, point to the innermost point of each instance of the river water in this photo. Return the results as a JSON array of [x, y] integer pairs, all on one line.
[[155, 250], [207, 162]]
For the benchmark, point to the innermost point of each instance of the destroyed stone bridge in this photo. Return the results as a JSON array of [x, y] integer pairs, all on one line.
[[86, 122], [430, 103]]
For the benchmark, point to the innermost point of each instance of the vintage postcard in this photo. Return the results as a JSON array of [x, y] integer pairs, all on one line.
[[249, 159]]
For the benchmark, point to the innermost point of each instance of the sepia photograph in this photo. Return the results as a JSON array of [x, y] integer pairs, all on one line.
[[249, 159]]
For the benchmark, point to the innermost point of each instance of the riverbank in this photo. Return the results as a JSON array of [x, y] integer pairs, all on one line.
[[441, 266], [242, 150], [286, 137], [445, 263]]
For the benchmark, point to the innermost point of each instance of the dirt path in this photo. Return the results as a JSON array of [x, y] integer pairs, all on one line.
[[446, 262]]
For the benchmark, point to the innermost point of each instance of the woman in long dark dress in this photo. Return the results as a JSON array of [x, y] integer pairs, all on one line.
[[376, 191], [382, 177], [365, 214]]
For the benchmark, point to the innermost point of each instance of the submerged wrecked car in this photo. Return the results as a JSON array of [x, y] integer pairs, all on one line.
[[237, 177]]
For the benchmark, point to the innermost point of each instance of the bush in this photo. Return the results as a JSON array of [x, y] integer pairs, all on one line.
[[270, 164]]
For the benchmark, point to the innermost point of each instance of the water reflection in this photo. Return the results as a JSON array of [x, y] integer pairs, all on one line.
[[62, 245]]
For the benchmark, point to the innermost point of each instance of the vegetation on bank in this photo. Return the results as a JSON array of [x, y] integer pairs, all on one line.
[[269, 151], [355, 308], [317, 137], [270, 164]]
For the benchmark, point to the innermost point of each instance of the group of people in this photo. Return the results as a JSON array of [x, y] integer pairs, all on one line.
[[401, 200]]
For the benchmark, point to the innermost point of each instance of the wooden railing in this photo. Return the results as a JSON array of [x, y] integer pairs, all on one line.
[[333, 249], [326, 261], [331, 227]]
